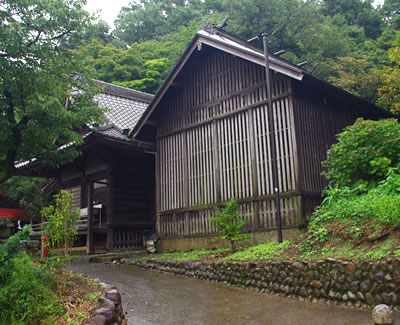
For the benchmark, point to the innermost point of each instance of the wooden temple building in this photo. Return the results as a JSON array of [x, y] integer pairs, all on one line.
[[167, 162], [112, 181], [209, 121]]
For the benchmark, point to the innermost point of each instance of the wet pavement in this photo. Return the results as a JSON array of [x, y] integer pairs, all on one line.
[[150, 297]]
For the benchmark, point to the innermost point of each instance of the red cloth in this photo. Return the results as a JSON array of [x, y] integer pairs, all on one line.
[[46, 249]]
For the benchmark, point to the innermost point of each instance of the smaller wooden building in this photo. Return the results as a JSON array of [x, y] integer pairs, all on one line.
[[112, 181], [210, 123]]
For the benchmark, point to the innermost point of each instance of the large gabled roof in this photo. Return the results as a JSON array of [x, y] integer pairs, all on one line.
[[216, 38]]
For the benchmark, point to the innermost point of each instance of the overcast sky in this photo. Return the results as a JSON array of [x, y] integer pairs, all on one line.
[[110, 8]]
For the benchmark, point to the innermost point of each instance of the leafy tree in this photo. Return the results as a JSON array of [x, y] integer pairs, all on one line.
[[229, 224], [60, 226], [153, 76], [142, 66], [391, 12], [356, 76], [27, 192], [365, 151], [389, 93], [38, 74], [151, 19], [357, 12], [99, 31], [375, 51], [299, 28], [287, 18]]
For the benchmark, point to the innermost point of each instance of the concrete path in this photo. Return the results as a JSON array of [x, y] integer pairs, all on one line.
[[151, 298]]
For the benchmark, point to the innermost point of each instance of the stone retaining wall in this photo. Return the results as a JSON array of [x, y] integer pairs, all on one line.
[[359, 284], [110, 310]]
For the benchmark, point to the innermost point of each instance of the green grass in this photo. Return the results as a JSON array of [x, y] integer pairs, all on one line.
[[93, 296], [186, 256], [270, 250], [293, 250], [347, 250]]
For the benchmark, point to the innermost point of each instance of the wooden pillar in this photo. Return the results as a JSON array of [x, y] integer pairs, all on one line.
[[89, 237], [110, 208]]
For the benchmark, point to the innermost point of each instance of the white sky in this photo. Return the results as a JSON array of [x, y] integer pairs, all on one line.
[[110, 8]]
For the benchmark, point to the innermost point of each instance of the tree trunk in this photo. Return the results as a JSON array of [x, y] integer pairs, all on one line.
[[7, 167], [233, 245], [65, 237]]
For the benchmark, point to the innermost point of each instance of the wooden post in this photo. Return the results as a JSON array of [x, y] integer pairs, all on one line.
[[273, 142], [89, 237], [110, 208]]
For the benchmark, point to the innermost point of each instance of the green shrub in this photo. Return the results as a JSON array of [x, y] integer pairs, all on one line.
[[60, 226], [365, 151], [26, 295], [230, 226], [359, 208]]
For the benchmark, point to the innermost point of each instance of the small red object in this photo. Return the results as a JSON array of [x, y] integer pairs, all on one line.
[[46, 250]]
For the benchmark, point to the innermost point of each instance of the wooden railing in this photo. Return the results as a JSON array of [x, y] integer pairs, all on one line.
[[81, 225], [128, 238]]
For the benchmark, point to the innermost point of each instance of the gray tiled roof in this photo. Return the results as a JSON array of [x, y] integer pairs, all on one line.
[[125, 107], [112, 131], [123, 112]]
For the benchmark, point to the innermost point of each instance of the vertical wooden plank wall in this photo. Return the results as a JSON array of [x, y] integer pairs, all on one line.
[[76, 196], [316, 123], [213, 145]]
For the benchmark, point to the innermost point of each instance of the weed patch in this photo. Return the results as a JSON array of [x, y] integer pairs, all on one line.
[[270, 250], [190, 255]]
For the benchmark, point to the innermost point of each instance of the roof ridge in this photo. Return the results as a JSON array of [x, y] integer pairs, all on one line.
[[124, 92]]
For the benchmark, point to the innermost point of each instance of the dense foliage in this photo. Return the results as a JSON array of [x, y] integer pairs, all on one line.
[[389, 93], [346, 41], [357, 212], [145, 20], [362, 201], [37, 75], [27, 192], [357, 76], [26, 290], [365, 151]]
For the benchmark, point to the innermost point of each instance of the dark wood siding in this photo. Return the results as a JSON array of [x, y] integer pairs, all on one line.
[[213, 145], [318, 118], [133, 191], [76, 196]]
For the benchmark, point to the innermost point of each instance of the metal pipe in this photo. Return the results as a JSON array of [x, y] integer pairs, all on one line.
[[272, 141]]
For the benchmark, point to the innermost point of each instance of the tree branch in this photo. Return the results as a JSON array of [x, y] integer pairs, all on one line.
[[35, 40]]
